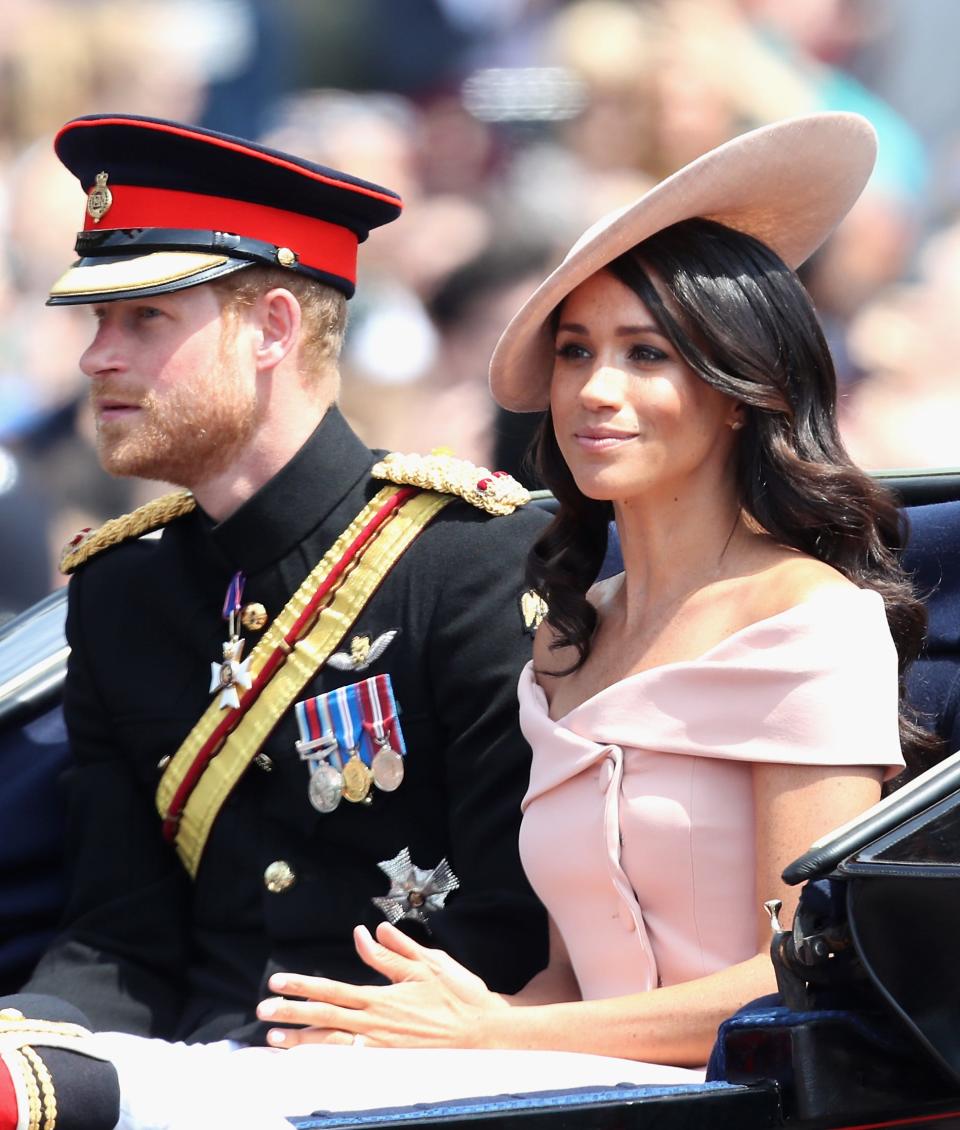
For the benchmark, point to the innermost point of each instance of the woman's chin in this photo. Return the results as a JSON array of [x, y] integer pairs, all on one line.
[[603, 488]]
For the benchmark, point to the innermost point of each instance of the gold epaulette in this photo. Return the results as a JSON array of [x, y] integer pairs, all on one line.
[[151, 516], [493, 491]]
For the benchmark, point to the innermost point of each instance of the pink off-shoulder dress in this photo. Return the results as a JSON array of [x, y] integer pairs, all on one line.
[[638, 825]]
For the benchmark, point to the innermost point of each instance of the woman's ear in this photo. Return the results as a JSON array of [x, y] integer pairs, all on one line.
[[278, 325], [737, 417]]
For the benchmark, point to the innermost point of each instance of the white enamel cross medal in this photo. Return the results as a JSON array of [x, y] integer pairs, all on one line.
[[231, 672]]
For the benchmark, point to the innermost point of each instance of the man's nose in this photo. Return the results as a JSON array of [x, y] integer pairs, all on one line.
[[102, 355]]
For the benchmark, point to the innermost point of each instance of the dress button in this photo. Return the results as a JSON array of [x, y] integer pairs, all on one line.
[[279, 877], [264, 761]]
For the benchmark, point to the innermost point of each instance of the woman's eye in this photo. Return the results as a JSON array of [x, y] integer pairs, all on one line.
[[147, 312], [646, 354], [571, 351]]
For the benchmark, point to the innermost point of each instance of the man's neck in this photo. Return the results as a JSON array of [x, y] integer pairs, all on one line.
[[221, 494]]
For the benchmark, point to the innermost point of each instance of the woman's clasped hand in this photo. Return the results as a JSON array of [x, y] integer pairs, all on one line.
[[432, 1000]]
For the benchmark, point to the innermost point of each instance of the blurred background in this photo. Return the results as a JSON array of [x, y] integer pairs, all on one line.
[[508, 126]]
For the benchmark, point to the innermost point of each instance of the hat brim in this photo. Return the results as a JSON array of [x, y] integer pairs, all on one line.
[[110, 279], [788, 184]]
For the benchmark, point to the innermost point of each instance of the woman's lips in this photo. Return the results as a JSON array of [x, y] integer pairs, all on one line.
[[600, 439]]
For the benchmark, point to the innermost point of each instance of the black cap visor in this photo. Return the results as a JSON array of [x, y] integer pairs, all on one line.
[[116, 264]]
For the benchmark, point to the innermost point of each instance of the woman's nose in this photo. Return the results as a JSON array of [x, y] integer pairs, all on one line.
[[604, 386]]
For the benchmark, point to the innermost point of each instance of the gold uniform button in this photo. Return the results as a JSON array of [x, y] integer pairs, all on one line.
[[253, 616], [279, 877]]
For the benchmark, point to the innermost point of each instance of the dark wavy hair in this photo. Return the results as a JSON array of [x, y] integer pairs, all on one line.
[[739, 316]]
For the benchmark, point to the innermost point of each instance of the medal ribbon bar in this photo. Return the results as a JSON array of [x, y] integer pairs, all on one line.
[[318, 747], [344, 708], [380, 712], [317, 741]]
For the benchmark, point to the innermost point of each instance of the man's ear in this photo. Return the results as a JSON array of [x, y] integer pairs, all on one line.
[[278, 319]]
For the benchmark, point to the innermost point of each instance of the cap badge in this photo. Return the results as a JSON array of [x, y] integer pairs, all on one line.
[[99, 199]]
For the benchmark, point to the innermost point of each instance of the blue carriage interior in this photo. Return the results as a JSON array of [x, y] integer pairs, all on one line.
[[809, 1057]]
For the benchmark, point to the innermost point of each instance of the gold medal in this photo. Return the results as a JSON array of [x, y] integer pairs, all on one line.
[[356, 779]]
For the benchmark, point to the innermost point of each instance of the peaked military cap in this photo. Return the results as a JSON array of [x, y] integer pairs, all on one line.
[[172, 205]]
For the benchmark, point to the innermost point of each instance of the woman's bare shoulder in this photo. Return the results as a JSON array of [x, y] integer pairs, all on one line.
[[788, 578]]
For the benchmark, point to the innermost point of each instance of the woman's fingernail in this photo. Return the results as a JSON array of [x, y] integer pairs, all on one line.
[[277, 1036], [277, 982], [268, 1008]]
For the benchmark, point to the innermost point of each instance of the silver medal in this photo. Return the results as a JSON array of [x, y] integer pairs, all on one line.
[[387, 769], [325, 787]]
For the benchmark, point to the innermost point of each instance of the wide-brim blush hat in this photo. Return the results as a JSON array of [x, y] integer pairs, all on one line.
[[789, 184]]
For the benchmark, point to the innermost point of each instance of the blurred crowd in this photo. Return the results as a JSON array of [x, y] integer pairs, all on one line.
[[508, 126]]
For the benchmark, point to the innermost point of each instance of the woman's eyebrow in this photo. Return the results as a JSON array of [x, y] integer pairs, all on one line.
[[620, 331]]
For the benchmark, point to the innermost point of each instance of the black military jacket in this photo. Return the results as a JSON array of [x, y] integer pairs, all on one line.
[[147, 950]]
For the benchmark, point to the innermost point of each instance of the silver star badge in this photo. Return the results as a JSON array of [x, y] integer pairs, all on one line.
[[231, 673], [362, 652], [414, 891]]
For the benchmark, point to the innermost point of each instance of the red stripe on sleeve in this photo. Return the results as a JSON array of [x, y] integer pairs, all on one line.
[[9, 1113]]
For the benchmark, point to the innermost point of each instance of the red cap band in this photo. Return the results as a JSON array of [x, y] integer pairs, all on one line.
[[317, 243]]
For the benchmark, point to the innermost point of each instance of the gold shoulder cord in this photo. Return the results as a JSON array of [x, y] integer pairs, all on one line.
[[144, 520], [46, 1089], [25, 1073], [496, 492]]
